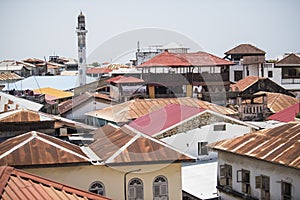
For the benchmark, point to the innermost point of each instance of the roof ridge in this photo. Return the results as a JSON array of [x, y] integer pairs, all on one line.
[[123, 147], [159, 141], [33, 133], [61, 147]]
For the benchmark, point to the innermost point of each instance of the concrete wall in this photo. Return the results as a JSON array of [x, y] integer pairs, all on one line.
[[256, 167], [113, 177]]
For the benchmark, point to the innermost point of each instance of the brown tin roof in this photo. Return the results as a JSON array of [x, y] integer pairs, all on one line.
[[244, 49], [124, 112], [279, 145], [34, 148], [74, 102], [127, 146], [245, 83], [277, 102], [19, 185], [291, 59]]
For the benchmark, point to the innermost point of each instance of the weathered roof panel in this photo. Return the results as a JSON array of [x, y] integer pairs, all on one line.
[[17, 184], [279, 145], [130, 110], [35, 148], [126, 146]]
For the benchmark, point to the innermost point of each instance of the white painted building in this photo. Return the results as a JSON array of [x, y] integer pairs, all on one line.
[[260, 165]]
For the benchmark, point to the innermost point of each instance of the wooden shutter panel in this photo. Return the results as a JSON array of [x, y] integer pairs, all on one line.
[[131, 192], [258, 181], [163, 190]]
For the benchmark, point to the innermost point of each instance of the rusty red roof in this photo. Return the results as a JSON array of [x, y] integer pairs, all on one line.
[[245, 83], [164, 118], [34, 148], [74, 102], [244, 49], [124, 79], [286, 115], [167, 59], [19, 185], [136, 108], [124, 145], [98, 70], [279, 145]]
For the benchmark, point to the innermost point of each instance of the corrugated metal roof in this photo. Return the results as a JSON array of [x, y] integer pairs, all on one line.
[[167, 59], [277, 101], [9, 77], [75, 101], [53, 93], [21, 115], [245, 49], [245, 83], [279, 145], [286, 115], [126, 146], [10, 102], [57, 82], [20, 185], [164, 118], [130, 110], [34, 148]]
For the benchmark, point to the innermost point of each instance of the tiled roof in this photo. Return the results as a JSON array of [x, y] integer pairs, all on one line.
[[53, 94], [164, 118], [287, 114], [167, 59], [245, 83], [291, 59], [19, 185], [74, 102], [124, 79], [98, 70], [244, 49], [279, 145], [127, 146], [9, 77], [136, 108], [34, 148], [277, 101]]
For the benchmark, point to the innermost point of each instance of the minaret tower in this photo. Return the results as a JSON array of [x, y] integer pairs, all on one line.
[[81, 34]]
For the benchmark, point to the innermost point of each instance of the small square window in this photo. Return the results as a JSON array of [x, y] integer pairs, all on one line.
[[220, 127], [270, 74]]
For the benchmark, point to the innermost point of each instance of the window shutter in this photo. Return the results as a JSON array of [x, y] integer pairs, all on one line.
[[156, 190], [164, 190], [258, 181], [132, 192], [222, 171], [239, 176]]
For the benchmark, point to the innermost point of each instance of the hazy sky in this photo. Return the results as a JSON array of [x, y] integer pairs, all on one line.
[[35, 28]]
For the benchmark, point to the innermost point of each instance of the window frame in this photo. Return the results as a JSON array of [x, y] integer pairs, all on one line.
[[285, 196], [219, 127], [202, 148], [162, 186], [134, 188], [100, 183], [225, 176], [243, 176], [262, 182]]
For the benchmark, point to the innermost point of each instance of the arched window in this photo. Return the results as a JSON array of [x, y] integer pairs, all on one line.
[[160, 188], [97, 187], [135, 189]]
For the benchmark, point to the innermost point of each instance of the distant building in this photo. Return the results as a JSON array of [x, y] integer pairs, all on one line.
[[144, 54], [12, 66], [260, 165], [249, 61]]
